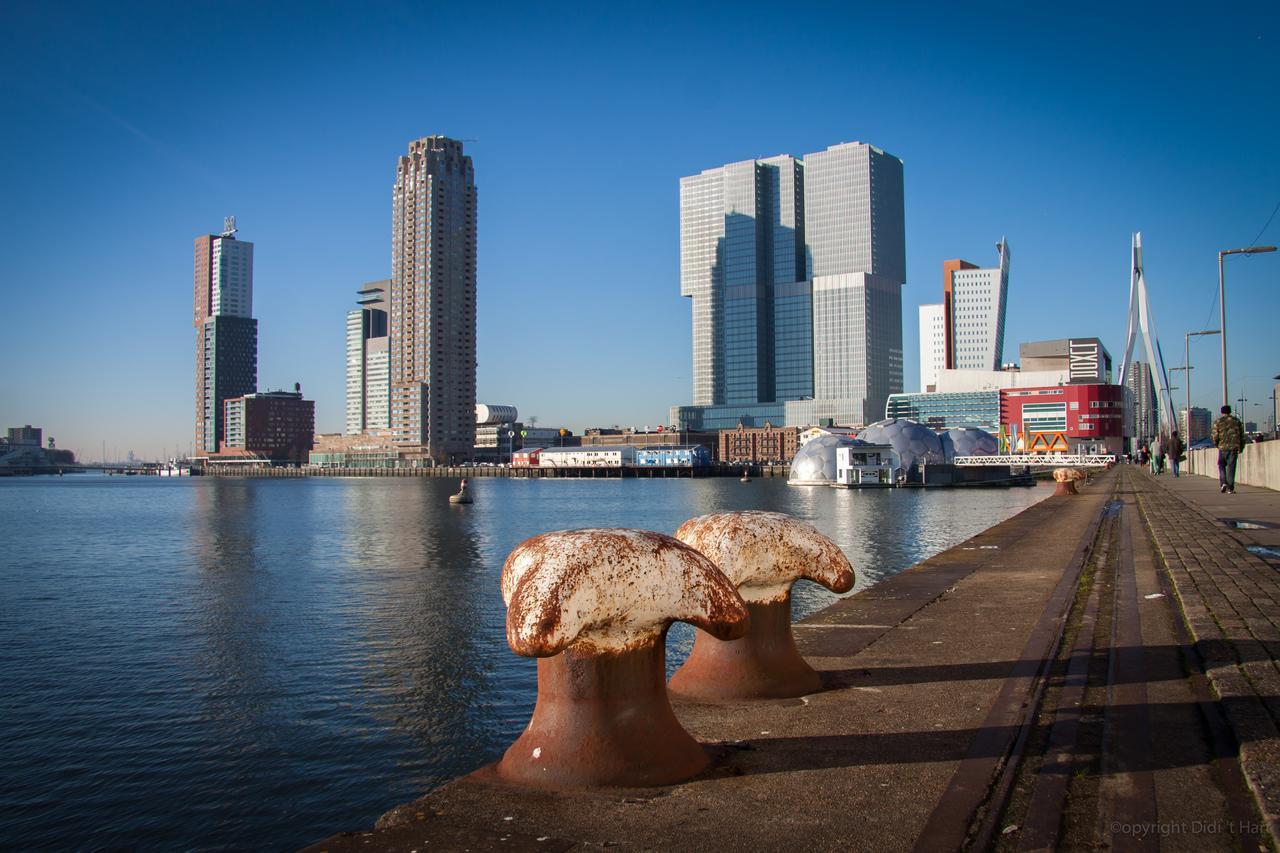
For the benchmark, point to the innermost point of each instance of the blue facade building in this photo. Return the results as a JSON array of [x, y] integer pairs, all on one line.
[[673, 456], [976, 409]]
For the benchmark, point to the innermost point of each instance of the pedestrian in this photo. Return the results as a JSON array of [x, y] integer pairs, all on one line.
[[1175, 451], [1228, 437], [1157, 455]]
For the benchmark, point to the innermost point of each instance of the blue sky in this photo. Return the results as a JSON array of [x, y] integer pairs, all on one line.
[[130, 129]]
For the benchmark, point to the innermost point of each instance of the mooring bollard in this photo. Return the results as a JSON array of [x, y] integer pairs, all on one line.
[[1066, 480], [763, 554], [594, 607]]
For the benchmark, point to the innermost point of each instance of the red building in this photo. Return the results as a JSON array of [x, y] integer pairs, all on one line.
[[529, 457], [278, 426], [1086, 417]]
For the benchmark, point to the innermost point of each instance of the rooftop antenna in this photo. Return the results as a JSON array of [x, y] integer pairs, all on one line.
[[229, 226]]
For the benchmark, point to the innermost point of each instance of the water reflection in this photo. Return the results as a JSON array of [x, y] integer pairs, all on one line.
[[430, 618], [296, 656]]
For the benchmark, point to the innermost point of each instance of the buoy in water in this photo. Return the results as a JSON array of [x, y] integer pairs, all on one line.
[[745, 477], [461, 497]]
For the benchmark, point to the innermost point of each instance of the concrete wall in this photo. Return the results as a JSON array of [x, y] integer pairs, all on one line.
[[1259, 464]]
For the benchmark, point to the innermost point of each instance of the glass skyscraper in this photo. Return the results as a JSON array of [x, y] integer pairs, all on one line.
[[368, 361], [226, 333], [794, 267]]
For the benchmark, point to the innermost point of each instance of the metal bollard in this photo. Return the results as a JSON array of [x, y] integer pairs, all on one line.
[[763, 554], [1066, 480], [594, 607]]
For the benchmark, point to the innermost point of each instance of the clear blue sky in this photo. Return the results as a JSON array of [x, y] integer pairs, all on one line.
[[131, 128]]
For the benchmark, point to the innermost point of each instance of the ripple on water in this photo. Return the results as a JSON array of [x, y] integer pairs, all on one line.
[[190, 663]]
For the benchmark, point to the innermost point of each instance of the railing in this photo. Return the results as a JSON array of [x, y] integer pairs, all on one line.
[[1042, 460]]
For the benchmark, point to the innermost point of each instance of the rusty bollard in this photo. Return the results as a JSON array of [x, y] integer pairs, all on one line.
[[763, 554], [594, 607], [1066, 480]]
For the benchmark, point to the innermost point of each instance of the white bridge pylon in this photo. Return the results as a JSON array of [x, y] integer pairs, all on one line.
[[1142, 319]]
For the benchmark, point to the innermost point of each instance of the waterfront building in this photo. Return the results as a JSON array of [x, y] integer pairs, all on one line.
[[226, 333], [933, 344], [1143, 415], [497, 433], [432, 301], [370, 449], [941, 410], [1089, 417], [673, 456], [974, 302], [794, 268], [368, 361], [276, 426], [614, 456], [758, 444], [596, 437], [1085, 360], [962, 381], [1197, 427], [25, 436], [546, 437]]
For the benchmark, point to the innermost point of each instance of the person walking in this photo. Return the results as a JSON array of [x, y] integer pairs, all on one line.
[[1175, 451], [1157, 455], [1228, 437]]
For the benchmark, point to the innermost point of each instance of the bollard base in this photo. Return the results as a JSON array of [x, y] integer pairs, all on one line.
[[603, 720], [1065, 487], [765, 664]]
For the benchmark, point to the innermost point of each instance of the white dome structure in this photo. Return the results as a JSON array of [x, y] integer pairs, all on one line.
[[911, 442], [968, 441], [815, 463]]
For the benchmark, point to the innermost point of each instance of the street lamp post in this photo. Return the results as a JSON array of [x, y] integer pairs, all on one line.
[[1222, 306], [1188, 368]]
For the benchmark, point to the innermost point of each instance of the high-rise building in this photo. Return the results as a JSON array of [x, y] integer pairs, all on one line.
[[432, 301], [794, 267], [368, 361], [226, 333], [933, 344], [1199, 425], [974, 300], [1143, 417]]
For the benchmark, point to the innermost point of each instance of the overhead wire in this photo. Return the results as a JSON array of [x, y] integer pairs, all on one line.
[[1213, 304]]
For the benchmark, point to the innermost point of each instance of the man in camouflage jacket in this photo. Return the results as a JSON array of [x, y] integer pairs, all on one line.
[[1228, 437]]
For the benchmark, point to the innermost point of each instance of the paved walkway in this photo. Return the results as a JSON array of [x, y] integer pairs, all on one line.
[[1036, 687], [1230, 596]]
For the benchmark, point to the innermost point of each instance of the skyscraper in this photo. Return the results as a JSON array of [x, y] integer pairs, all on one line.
[[368, 361], [975, 301], [226, 333], [794, 267], [432, 324], [933, 344], [1143, 417]]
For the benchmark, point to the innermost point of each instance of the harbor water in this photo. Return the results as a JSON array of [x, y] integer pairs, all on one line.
[[214, 663]]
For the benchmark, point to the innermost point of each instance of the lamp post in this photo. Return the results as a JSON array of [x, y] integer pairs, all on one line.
[[1275, 422], [1222, 305], [1188, 368]]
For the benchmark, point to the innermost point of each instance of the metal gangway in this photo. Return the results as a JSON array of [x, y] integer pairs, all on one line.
[[1041, 460]]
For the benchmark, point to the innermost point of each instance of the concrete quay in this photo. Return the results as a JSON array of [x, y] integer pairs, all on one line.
[[1098, 671]]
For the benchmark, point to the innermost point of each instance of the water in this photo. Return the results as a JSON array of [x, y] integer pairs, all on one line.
[[212, 663]]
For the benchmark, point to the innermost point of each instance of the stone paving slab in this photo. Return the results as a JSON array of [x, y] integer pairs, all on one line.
[[1229, 598], [912, 670]]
